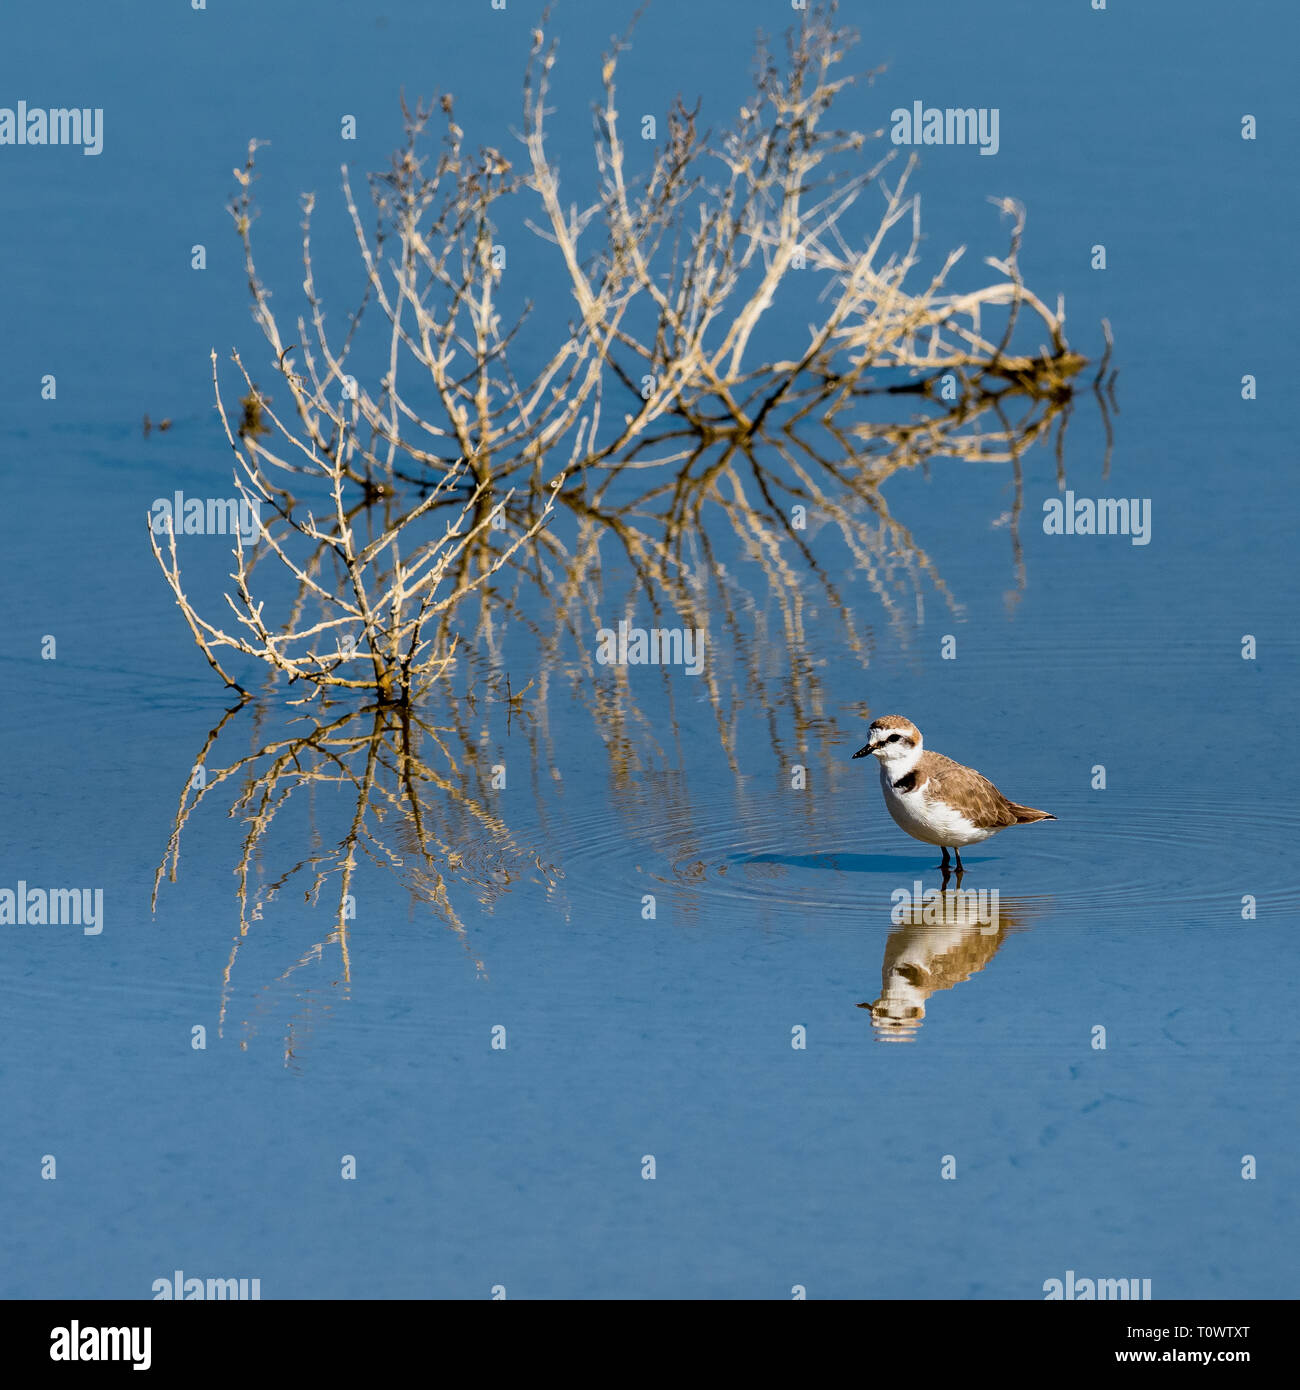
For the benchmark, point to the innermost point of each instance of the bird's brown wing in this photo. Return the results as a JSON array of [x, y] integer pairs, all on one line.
[[954, 783]]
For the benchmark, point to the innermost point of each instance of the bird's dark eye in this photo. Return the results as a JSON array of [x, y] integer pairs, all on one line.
[[893, 738]]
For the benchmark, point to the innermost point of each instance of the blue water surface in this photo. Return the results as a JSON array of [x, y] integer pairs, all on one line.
[[989, 1147]]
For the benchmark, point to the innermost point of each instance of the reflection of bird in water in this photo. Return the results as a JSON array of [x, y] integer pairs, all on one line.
[[941, 943], [933, 798]]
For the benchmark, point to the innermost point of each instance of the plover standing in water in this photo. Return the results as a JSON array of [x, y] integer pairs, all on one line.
[[933, 798]]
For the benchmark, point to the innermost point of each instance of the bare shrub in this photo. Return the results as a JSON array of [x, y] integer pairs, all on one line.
[[672, 273]]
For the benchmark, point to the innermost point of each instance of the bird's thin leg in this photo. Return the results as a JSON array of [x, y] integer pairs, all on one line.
[[944, 862], [957, 852]]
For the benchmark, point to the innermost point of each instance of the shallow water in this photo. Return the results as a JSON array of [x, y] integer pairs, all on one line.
[[774, 895]]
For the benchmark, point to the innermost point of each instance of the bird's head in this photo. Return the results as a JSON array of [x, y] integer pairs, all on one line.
[[893, 741]]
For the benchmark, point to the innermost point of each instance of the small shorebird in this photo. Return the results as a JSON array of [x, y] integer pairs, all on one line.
[[933, 798]]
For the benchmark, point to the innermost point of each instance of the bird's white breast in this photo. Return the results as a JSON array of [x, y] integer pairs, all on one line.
[[927, 819]]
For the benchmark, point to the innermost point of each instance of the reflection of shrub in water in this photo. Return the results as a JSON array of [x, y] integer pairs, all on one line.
[[408, 803]]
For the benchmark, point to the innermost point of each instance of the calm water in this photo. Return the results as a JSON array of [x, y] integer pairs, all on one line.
[[628, 1036]]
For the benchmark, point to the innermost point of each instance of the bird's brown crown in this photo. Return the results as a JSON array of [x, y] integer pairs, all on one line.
[[896, 723]]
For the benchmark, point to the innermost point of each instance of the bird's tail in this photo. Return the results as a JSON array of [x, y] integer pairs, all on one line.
[[1025, 815]]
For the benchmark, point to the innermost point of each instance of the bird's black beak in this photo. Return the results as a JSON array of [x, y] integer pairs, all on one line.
[[862, 752]]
